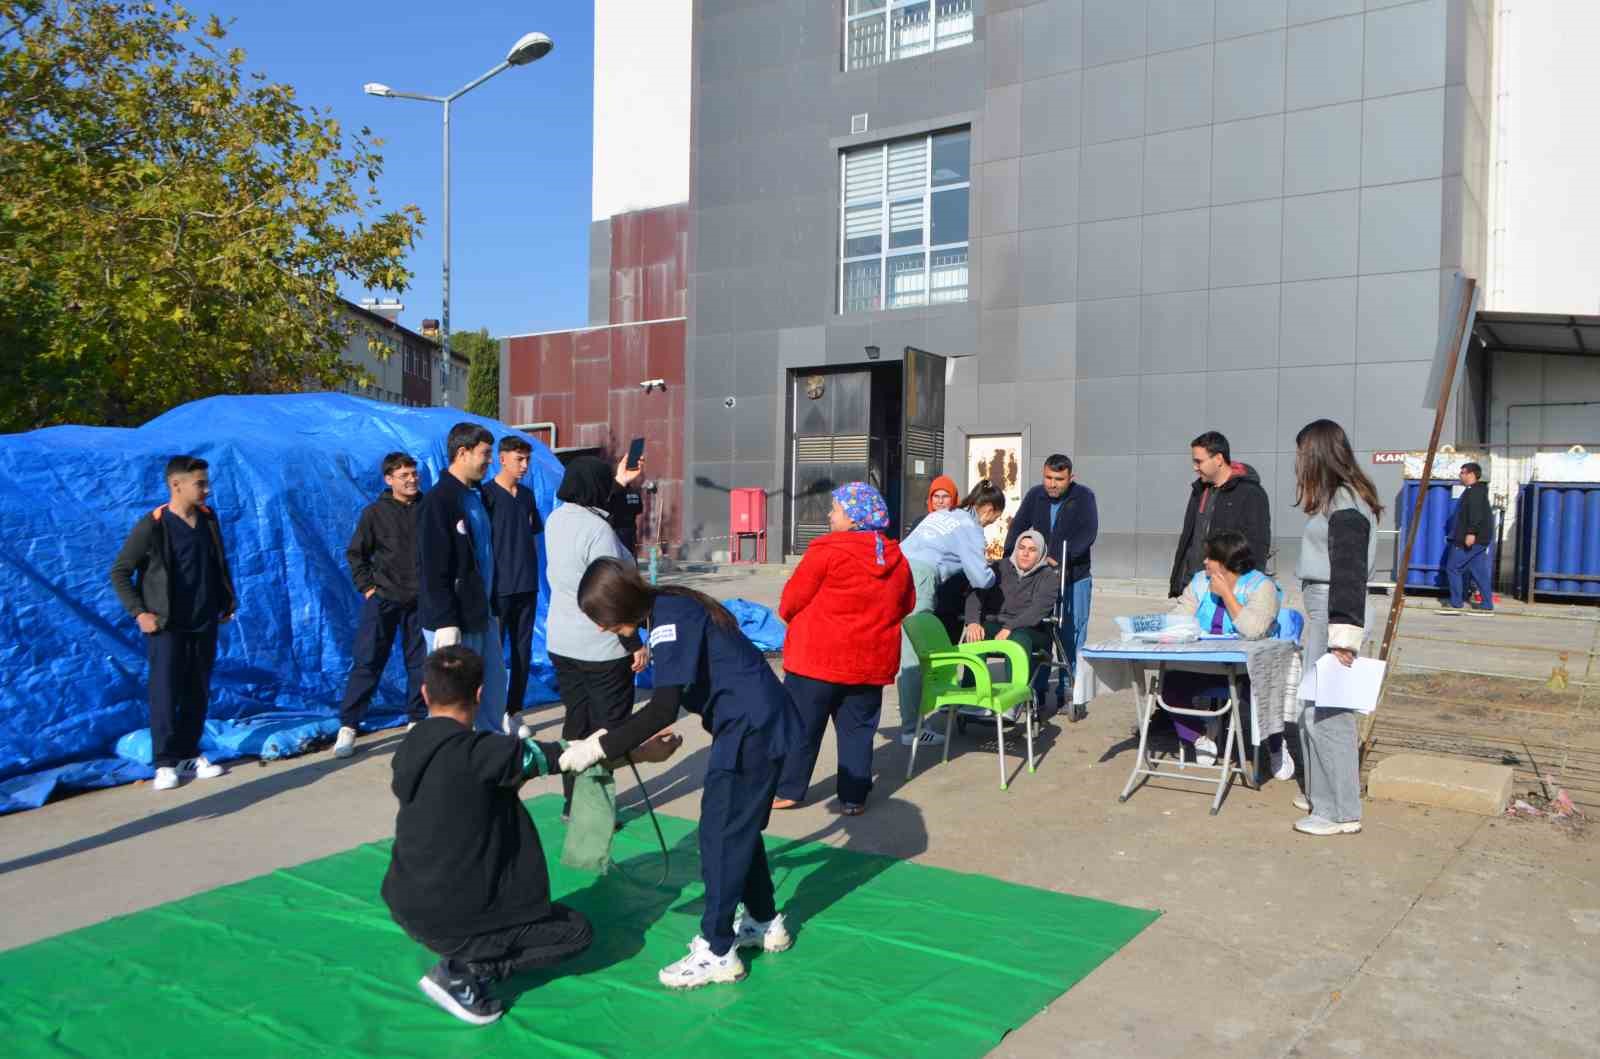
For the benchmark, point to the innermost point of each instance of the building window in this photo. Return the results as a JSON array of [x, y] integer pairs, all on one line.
[[879, 31], [903, 223]]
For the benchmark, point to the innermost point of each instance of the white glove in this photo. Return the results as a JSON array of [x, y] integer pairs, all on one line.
[[585, 752], [448, 636], [524, 732]]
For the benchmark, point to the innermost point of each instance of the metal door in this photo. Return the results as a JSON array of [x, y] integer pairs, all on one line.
[[831, 445], [922, 432]]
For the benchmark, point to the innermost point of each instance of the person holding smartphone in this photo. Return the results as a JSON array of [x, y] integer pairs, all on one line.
[[626, 504]]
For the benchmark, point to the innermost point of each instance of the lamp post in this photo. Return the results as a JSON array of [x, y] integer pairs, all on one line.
[[530, 47]]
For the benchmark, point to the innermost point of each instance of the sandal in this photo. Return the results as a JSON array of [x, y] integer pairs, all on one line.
[[785, 803]]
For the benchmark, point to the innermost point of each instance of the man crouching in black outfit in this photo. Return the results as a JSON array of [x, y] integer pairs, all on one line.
[[467, 876]]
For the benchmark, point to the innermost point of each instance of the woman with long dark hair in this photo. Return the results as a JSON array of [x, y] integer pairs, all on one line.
[[1337, 553], [704, 664]]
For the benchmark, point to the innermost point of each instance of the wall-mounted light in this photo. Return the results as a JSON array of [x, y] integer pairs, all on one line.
[[653, 384], [872, 352]]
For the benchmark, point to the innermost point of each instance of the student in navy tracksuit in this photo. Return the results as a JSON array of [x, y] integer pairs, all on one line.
[[172, 578], [516, 529], [706, 665]]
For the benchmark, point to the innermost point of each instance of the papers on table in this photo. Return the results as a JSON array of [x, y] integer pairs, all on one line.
[[1334, 686]]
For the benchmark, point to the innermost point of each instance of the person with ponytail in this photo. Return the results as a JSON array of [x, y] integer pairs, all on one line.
[[1337, 554], [704, 664], [843, 606]]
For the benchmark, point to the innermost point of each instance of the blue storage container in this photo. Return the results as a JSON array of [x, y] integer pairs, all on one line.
[[1433, 536], [1558, 540]]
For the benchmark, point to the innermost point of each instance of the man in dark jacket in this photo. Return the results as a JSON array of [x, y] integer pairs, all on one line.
[[383, 563], [172, 578], [1225, 496], [1470, 533], [516, 531], [455, 565], [1063, 510]]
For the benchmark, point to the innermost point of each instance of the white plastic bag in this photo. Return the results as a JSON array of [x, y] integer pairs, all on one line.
[[1159, 628]]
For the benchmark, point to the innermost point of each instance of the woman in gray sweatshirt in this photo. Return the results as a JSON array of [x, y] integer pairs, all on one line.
[[1337, 553], [594, 668]]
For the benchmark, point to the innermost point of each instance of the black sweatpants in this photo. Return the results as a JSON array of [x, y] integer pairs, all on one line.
[[854, 709], [516, 625], [497, 954], [597, 695], [380, 624], [180, 691]]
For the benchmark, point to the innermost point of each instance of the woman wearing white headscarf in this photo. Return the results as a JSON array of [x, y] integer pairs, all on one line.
[[1023, 596]]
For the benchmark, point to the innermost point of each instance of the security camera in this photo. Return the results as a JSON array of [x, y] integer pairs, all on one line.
[[728, 402], [653, 384]]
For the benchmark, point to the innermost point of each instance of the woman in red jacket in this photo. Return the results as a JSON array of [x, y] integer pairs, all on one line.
[[844, 605]]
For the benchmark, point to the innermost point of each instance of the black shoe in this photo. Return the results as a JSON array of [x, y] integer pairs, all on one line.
[[463, 995]]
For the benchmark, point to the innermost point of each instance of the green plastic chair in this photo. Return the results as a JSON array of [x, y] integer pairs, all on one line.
[[943, 664]]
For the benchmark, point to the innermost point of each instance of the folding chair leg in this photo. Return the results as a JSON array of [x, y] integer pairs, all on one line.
[[1000, 731]]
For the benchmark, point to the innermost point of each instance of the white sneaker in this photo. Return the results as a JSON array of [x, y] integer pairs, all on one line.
[[345, 745], [202, 769], [928, 738], [1301, 803], [1205, 750], [702, 967], [771, 936], [1283, 766], [166, 778], [1316, 825]]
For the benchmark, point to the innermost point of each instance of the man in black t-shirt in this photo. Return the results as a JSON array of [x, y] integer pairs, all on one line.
[[172, 578]]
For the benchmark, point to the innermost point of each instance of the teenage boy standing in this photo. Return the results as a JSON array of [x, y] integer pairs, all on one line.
[[455, 565], [172, 578], [383, 563], [516, 529]]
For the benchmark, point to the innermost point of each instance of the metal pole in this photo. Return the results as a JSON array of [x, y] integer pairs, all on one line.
[[1397, 607], [444, 322]]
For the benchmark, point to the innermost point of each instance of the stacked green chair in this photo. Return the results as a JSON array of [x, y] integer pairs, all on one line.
[[943, 665]]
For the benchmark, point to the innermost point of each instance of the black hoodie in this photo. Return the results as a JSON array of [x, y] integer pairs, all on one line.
[[466, 858], [1237, 504]]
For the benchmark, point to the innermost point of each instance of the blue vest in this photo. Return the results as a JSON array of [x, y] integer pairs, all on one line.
[[1213, 616]]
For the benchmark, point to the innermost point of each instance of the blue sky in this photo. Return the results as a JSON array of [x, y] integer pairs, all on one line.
[[520, 144]]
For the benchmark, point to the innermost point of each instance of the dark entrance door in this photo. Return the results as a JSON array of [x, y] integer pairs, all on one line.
[[922, 432]]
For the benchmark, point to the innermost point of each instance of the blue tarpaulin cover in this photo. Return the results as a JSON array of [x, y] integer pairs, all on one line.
[[290, 475]]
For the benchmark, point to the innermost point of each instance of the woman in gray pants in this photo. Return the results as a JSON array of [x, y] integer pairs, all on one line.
[[1337, 552]]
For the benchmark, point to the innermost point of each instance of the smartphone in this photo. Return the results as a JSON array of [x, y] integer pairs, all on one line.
[[635, 453]]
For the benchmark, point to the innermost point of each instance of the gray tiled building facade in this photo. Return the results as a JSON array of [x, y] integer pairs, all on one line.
[[1184, 215]]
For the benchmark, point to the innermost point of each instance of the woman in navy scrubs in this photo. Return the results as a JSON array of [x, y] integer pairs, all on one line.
[[704, 664]]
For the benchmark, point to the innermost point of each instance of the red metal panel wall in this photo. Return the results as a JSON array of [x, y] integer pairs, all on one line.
[[587, 383], [649, 264]]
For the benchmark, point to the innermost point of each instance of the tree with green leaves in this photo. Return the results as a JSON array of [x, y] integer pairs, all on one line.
[[483, 371], [171, 225]]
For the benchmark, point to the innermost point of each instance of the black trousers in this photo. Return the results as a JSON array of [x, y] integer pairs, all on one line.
[[854, 709], [380, 624], [516, 625], [180, 691], [497, 954], [597, 695]]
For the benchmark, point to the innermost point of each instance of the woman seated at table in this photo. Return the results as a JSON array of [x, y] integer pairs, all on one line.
[[1228, 597], [1023, 596]]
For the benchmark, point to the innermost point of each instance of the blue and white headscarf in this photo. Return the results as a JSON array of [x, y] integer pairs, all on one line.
[[863, 505]]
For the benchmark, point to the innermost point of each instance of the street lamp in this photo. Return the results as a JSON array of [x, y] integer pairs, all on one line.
[[530, 47]]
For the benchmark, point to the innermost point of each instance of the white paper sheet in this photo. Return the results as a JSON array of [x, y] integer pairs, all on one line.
[[1333, 686]]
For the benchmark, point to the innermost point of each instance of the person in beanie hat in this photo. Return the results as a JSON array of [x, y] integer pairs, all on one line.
[[843, 605]]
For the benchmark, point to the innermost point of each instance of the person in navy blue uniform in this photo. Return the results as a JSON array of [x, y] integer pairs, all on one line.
[[704, 664], [515, 537]]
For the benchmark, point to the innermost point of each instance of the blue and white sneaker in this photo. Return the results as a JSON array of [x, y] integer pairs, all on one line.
[[771, 936], [463, 995], [702, 967]]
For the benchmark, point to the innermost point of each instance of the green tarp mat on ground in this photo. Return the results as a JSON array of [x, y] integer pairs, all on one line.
[[890, 958]]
